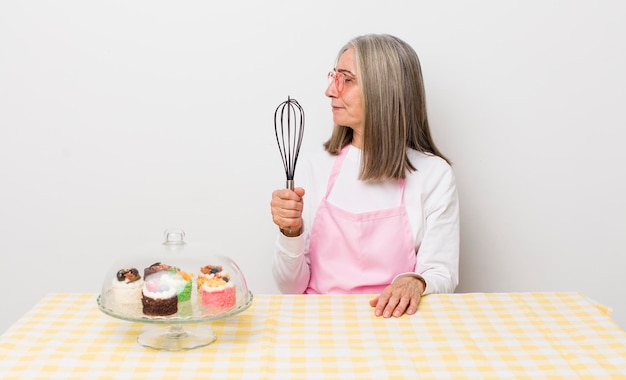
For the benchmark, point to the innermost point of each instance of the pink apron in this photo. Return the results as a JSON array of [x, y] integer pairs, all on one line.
[[358, 253]]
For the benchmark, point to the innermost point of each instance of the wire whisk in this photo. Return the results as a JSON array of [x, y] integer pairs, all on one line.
[[289, 128]]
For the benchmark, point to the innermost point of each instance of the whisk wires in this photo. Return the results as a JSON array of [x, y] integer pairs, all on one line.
[[289, 128]]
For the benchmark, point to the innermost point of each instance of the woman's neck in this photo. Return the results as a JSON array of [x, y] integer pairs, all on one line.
[[357, 141]]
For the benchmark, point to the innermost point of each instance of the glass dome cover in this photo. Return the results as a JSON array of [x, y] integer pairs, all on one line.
[[174, 282]]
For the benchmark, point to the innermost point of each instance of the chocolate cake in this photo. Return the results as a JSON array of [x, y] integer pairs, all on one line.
[[154, 268], [158, 297], [160, 306]]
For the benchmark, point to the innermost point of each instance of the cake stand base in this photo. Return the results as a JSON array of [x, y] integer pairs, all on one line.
[[175, 338]]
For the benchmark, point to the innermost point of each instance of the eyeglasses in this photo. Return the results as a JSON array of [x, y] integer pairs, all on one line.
[[339, 79]]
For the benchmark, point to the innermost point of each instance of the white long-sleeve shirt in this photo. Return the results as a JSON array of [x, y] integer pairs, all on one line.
[[430, 199]]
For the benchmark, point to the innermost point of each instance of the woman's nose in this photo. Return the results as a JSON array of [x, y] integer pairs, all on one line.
[[331, 90]]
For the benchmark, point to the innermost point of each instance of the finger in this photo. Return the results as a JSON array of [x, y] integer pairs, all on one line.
[[287, 213], [286, 208], [391, 306], [374, 301], [286, 223], [401, 307], [287, 204], [287, 194], [382, 301], [280, 198], [299, 191], [412, 308]]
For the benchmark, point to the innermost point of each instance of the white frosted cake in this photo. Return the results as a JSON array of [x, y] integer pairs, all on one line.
[[124, 295]]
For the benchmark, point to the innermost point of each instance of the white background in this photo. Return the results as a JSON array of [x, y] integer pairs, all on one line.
[[120, 119]]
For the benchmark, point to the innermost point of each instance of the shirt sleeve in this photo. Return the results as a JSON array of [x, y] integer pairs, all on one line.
[[438, 253], [291, 268], [291, 264]]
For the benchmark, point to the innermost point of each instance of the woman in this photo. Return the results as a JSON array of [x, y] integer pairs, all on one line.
[[381, 212]]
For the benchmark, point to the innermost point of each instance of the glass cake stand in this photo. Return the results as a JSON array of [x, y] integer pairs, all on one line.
[[173, 336]]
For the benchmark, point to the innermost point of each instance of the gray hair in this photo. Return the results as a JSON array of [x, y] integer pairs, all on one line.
[[394, 107]]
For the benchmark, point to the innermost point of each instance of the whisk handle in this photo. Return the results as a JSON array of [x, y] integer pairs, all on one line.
[[290, 186]]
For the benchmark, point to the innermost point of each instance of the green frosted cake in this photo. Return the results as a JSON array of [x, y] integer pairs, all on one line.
[[181, 281]]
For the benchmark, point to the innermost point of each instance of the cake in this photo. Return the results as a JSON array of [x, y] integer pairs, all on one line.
[[154, 268], [124, 295], [159, 297], [215, 288], [179, 280]]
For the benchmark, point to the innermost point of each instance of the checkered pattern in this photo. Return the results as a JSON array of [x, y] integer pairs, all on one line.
[[456, 336]]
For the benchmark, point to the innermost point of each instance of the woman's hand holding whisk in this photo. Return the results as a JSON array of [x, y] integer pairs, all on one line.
[[287, 208]]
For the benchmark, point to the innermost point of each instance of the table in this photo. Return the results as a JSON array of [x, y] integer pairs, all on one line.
[[456, 336]]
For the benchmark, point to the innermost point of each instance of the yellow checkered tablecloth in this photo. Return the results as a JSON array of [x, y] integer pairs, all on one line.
[[456, 336]]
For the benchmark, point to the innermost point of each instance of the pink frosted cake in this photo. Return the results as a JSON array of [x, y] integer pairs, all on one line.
[[215, 287]]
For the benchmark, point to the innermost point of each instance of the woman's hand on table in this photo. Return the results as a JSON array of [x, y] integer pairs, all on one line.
[[287, 208], [402, 296]]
